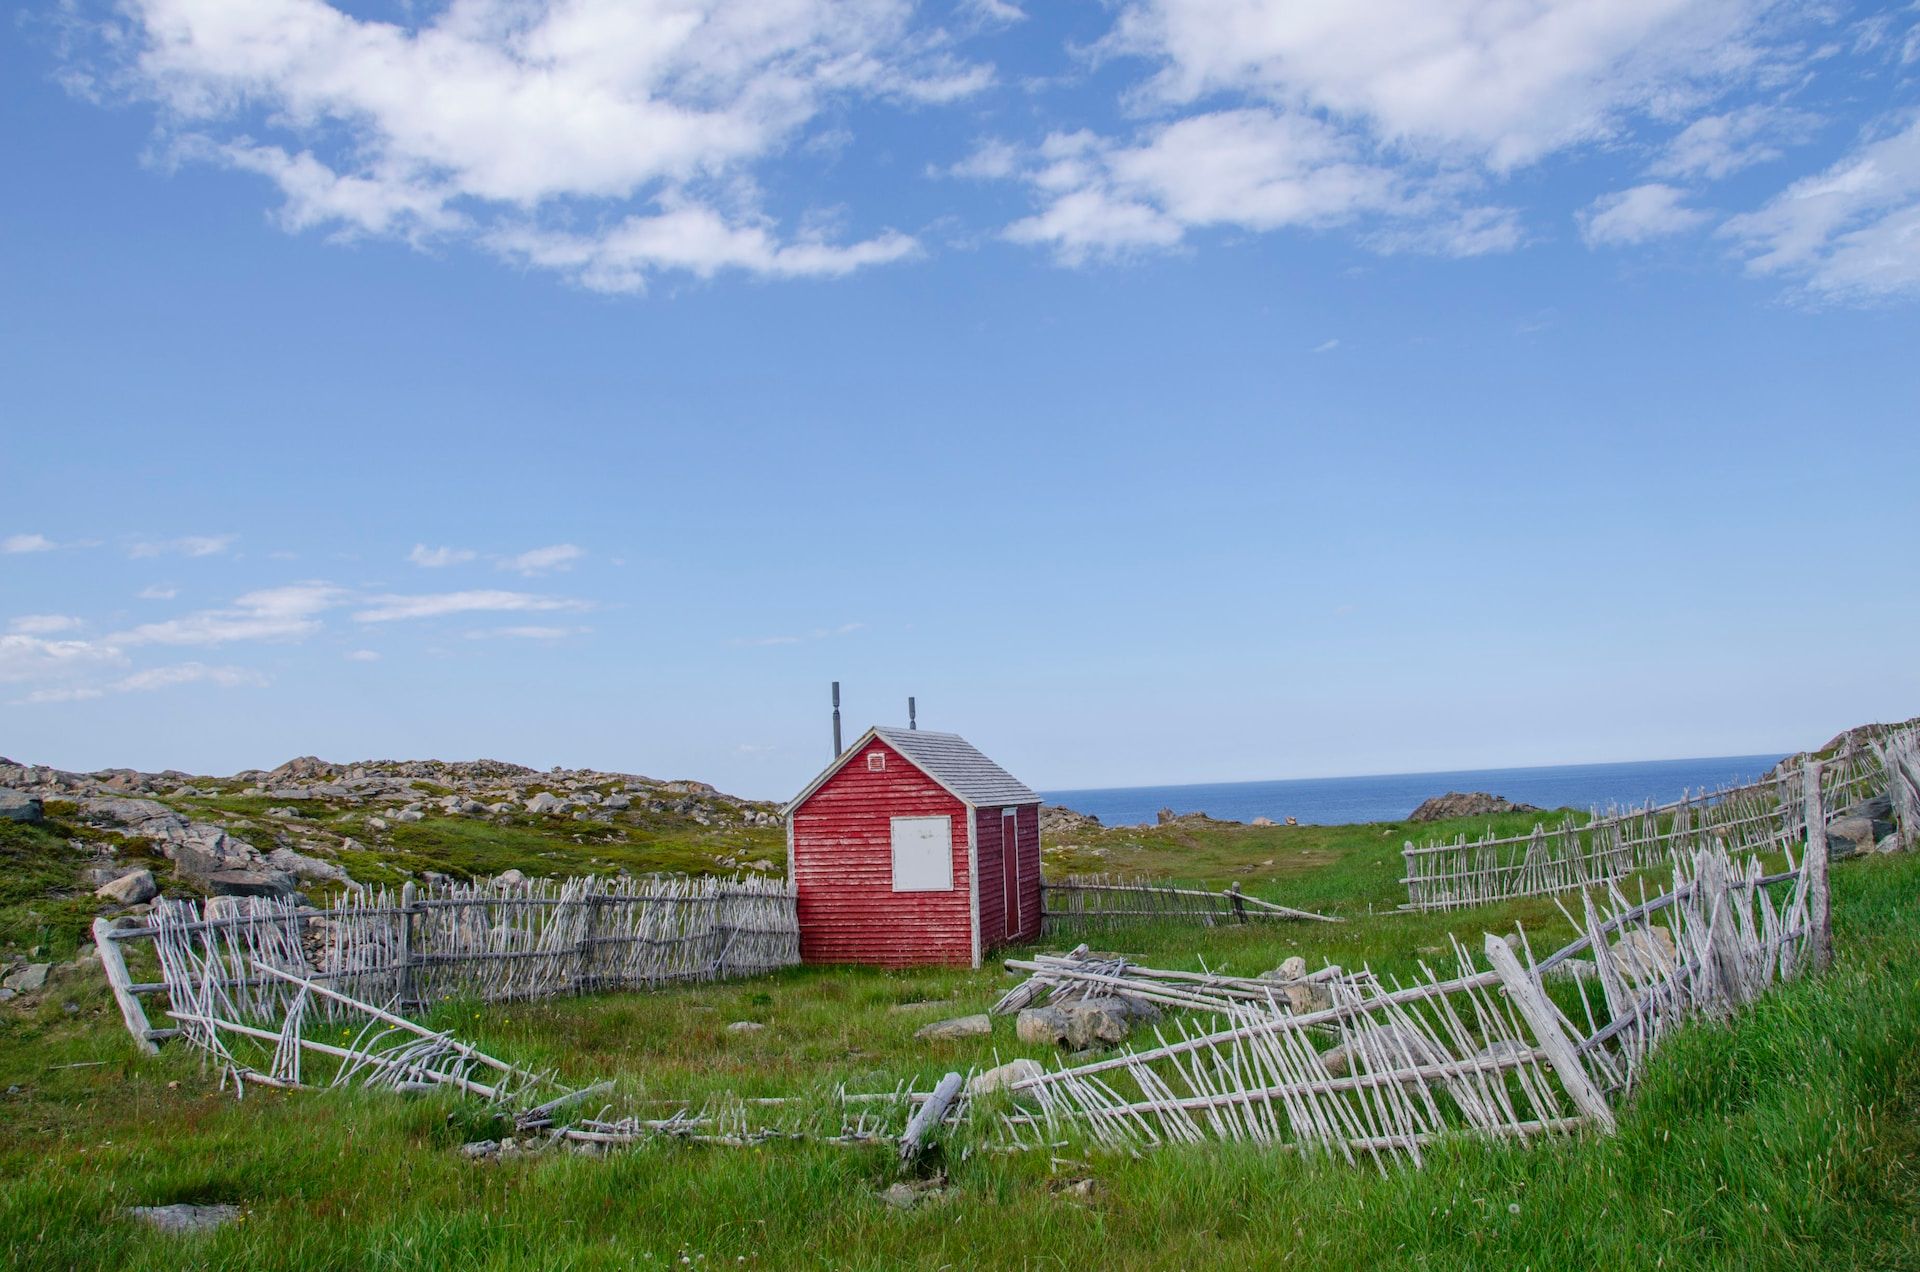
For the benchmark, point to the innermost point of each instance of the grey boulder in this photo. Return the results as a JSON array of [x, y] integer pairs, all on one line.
[[954, 1030], [20, 806], [130, 888]]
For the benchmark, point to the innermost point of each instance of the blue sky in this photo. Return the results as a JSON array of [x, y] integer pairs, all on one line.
[[1162, 390]]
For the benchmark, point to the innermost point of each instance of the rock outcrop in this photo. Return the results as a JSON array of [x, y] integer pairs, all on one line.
[[1466, 804]]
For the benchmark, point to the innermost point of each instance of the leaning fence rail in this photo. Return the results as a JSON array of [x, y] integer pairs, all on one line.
[[1762, 816], [486, 941], [1081, 902]]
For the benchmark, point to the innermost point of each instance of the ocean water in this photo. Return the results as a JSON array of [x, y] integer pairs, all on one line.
[[1331, 801]]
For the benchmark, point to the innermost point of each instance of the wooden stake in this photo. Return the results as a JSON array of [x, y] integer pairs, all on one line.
[[1532, 1002], [1818, 900], [928, 1116], [114, 963]]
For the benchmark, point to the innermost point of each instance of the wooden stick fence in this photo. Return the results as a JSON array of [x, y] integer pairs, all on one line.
[[1759, 817], [1090, 901], [1486, 1051], [483, 941]]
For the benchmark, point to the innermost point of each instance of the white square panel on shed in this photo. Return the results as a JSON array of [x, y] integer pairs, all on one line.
[[922, 854]]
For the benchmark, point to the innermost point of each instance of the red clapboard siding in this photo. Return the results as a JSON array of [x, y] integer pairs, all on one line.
[[1029, 828], [993, 907], [843, 869]]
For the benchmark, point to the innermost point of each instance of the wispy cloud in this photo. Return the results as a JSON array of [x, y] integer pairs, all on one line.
[[439, 558], [28, 659], [158, 592], [277, 613], [27, 543], [154, 678], [1327, 346], [192, 545], [559, 556], [818, 633], [44, 624], [384, 609], [526, 633], [363, 655], [1639, 215]]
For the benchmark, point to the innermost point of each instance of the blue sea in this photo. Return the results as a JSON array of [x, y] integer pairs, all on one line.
[[1332, 801]]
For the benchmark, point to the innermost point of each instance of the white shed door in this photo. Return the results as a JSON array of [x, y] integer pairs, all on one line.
[[922, 854]]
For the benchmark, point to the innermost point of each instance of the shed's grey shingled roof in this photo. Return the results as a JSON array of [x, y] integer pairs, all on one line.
[[959, 766]]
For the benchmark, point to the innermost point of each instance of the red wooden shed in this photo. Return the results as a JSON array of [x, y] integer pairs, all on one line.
[[913, 847]]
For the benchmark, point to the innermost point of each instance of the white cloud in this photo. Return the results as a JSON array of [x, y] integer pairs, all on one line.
[[363, 655], [1645, 212], [1716, 146], [384, 609], [1327, 346], [994, 11], [1253, 169], [439, 558], [527, 633], [697, 240], [515, 124], [158, 592], [25, 658], [559, 556], [1485, 81], [193, 545], [1394, 117], [27, 543], [279, 613], [1850, 233], [151, 679], [44, 624]]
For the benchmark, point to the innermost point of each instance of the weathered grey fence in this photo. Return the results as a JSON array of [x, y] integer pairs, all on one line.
[[486, 941], [1081, 902], [1759, 817], [1387, 1069]]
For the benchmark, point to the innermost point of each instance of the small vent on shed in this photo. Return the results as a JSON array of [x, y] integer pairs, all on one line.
[[877, 762]]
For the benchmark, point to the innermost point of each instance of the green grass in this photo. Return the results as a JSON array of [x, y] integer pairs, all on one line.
[[1788, 1139]]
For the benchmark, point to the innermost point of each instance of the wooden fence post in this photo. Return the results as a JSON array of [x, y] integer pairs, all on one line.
[[114, 964], [583, 970], [1239, 903], [928, 1116], [1819, 900], [1526, 995], [407, 894]]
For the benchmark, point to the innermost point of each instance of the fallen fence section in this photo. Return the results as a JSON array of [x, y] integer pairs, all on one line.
[[1090, 901], [1384, 1070], [489, 942], [1760, 817]]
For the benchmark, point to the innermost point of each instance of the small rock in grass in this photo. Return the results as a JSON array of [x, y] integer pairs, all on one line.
[[1646, 954], [900, 1197], [1576, 969], [1384, 1047], [185, 1218], [510, 877], [925, 1004], [28, 979], [480, 1149], [1004, 1076], [745, 1027], [960, 1027]]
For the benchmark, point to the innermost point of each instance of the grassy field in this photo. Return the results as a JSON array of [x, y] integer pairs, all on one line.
[[1788, 1140]]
